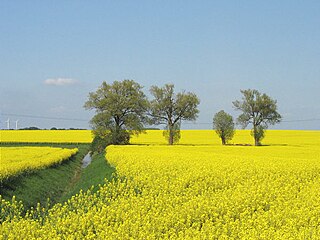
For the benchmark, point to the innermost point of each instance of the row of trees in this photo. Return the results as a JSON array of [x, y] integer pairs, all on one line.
[[257, 109], [122, 109]]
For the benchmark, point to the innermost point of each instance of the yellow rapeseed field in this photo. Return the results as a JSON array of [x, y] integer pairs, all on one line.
[[195, 190], [209, 137], [46, 136], [15, 160]]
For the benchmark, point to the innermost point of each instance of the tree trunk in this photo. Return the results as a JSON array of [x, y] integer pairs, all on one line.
[[256, 136], [171, 133], [256, 142], [223, 141], [116, 139]]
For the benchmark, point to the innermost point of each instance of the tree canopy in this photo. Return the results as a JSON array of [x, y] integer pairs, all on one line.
[[170, 109], [120, 110], [224, 126], [259, 110]]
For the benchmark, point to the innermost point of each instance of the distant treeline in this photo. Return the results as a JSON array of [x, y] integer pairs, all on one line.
[[53, 128]]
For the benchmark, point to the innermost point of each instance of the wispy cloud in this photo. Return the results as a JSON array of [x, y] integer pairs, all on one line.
[[60, 81]]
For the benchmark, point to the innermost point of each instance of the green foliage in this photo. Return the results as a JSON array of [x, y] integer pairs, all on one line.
[[170, 109], [259, 110], [99, 144], [224, 125], [120, 137], [120, 110], [102, 140]]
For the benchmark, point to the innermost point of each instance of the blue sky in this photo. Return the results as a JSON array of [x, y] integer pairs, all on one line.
[[53, 53]]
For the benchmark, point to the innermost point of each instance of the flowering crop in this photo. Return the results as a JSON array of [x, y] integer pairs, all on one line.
[[15, 160], [206, 191], [209, 137], [46, 136]]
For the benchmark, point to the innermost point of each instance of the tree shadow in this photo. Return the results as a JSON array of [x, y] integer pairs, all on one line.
[[248, 145], [206, 144]]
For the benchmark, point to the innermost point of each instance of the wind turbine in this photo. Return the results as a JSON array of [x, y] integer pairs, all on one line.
[[17, 124], [8, 123]]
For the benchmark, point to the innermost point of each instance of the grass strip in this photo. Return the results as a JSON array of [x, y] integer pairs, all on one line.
[[93, 175], [38, 186]]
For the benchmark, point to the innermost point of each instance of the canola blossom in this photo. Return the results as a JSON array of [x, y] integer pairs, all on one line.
[[241, 137], [46, 136], [201, 191], [15, 160]]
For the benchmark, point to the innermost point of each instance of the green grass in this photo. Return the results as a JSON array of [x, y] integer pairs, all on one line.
[[51, 182], [93, 175], [59, 182]]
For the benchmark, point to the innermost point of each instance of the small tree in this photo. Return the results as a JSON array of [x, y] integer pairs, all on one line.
[[259, 110], [170, 109], [224, 125], [120, 111]]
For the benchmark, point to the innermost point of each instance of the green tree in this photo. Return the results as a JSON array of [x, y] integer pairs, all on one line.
[[224, 125], [120, 111], [259, 110], [170, 109]]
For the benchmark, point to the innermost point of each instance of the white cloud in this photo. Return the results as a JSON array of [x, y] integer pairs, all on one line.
[[60, 81]]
